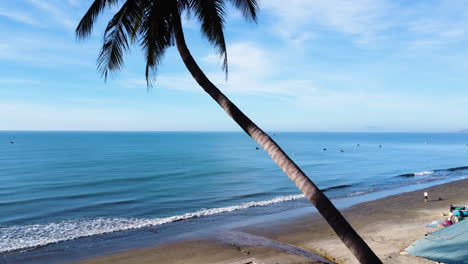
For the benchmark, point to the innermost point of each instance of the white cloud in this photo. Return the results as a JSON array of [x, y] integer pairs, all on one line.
[[18, 16], [252, 70], [247, 57], [438, 29], [54, 10], [255, 70], [298, 18], [76, 3], [182, 82], [38, 50], [370, 22]]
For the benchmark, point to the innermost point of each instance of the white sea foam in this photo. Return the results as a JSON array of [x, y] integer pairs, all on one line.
[[429, 179], [423, 173], [15, 238], [360, 192]]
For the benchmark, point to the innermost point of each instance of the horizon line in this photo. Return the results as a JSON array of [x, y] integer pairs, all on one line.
[[228, 131]]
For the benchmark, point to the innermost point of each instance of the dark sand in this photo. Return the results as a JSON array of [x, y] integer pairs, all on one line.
[[388, 225]]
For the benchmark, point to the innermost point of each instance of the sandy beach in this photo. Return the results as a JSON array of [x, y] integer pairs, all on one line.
[[389, 225]]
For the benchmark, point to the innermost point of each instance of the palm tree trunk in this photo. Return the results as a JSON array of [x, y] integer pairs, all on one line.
[[334, 218]]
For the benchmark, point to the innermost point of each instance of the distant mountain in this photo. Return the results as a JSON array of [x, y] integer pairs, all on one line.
[[463, 131]]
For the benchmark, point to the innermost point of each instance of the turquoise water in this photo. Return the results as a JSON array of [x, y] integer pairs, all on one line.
[[59, 186]]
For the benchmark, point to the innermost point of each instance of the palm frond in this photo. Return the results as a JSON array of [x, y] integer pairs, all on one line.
[[84, 28], [151, 22], [157, 34], [211, 15], [249, 8], [183, 5], [119, 29]]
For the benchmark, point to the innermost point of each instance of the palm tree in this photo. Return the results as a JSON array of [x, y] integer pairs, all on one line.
[[156, 25]]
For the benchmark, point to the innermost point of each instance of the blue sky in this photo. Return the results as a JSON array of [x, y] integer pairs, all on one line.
[[321, 65]]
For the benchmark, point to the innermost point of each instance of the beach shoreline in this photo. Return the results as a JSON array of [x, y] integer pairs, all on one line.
[[388, 225]]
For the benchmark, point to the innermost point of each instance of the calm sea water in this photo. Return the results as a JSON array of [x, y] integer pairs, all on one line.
[[58, 186]]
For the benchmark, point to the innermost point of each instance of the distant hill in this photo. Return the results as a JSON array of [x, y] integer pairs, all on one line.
[[463, 131]]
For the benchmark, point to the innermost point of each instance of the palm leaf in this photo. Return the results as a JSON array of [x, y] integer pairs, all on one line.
[[211, 15], [156, 34], [119, 29], [85, 26], [248, 8]]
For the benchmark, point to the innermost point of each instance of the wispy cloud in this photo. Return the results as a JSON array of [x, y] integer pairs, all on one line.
[[182, 82], [253, 70], [18, 16], [360, 18], [370, 22], [442, 25], [76, 3], [55, 10], [346, 63], [42, 51]]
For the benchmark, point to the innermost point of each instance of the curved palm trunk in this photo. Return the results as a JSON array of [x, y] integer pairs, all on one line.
[[334, 218]]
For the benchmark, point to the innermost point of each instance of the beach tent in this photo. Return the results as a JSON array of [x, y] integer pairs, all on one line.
[[448, 245]]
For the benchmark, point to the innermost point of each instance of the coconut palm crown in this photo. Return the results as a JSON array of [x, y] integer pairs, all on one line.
[[151, 24], [156, 25]]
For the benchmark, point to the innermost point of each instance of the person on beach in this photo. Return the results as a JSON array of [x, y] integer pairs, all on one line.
[[425, 197]]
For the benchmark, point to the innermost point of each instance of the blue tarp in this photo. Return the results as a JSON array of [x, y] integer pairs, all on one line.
[[448, 245]]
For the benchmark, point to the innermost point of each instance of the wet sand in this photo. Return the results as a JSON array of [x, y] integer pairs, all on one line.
[[388, 225]]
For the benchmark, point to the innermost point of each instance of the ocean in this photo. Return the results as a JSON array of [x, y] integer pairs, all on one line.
[[62, 191]]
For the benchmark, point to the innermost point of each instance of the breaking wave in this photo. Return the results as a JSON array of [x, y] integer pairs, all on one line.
[[421, 173], [336, 187], [24, 237], [19, 238], [357, 193]]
